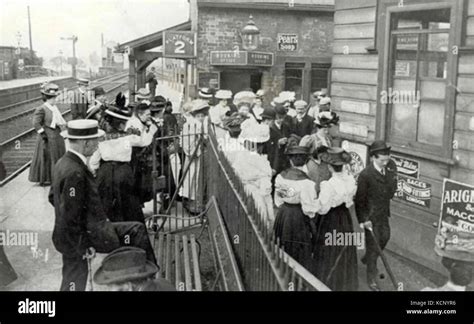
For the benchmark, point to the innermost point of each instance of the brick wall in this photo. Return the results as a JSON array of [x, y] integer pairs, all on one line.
[[217, 29]]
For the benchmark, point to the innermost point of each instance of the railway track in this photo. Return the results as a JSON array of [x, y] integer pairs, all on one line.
[[18, 150]]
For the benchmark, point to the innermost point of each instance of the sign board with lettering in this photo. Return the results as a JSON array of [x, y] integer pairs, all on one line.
[[241, 58], [287, 42], [455, 238], [413, 191], [179, 44], [358, 153], [354, 129], [407, 167], [358, 107], [208, 80]]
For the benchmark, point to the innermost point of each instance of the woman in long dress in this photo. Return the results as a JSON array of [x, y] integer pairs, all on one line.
[[336, 258], [296, 199], [111, 163], [50, 147], [193, 129], [254, 170]]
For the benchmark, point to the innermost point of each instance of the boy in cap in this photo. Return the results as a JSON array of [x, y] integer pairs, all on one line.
[[80, 101], [376, 186], [127, 269]]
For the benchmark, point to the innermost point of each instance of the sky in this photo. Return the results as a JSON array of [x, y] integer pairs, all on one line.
[[118, 20]]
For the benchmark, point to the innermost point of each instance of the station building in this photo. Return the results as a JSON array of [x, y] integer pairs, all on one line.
[[403, 71]]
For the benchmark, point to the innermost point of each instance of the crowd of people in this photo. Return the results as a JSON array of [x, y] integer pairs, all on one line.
[[285, 152]]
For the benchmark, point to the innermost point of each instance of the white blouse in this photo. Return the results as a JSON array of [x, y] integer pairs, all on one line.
[[253, 168], [217, 112], [297, 192], [340, 188], [146, 134], [118, 149]]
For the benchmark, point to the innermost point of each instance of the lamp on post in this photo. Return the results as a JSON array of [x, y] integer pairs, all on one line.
[[250, 35]]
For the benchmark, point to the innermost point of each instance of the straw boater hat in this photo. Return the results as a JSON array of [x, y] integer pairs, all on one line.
[[82, 129], [118, 113], [224, 94], [125, 264], [206, 93], [143, 94], [83, 81], [336, 156], [300, 103], [50, 90], [297, 150], [199, 105]]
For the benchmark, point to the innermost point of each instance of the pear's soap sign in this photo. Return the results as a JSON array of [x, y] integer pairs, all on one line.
[[287, 42]]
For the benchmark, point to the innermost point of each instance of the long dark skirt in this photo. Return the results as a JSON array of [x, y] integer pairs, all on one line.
[[46, 155], [293, 230], [335, 262], [7, 273], [116, 189]]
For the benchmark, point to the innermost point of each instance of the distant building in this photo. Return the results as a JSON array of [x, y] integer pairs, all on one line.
[[293, 51]]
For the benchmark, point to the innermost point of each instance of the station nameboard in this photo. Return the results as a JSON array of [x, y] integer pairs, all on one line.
[[241, 58], [179, 44]]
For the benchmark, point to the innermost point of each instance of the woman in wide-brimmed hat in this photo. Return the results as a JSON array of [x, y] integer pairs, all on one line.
[[192, 133], [50, 147], [296, 199], [111, 163], [336, 261]]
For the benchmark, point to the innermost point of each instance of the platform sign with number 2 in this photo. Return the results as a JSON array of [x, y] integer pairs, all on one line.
[[179, 44]]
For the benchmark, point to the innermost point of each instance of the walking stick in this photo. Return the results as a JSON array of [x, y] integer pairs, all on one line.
[[89, 255], [384, 259]]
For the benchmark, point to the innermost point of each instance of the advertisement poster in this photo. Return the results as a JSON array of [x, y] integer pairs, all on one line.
[[455, 238], [359, 157], [413, 191], [407, 167], [287, 42]]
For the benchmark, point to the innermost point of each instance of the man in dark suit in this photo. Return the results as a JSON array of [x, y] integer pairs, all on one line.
[[377, 185], [80, 100], [302, 124], [81, 222]]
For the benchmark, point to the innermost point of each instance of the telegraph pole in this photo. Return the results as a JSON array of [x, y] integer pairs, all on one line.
[[29, 30], [74, 39]]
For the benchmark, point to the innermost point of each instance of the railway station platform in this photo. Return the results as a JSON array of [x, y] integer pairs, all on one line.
[[27, 82], [25, 210]]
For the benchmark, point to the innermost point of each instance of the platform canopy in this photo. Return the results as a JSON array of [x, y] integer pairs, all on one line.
[[140, 57]]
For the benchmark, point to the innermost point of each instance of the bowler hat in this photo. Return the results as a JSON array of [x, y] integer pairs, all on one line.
[[82, 129], [98, 91], [268, 113], [379, 146], [297, 150], [335, 156], [124, 264]]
